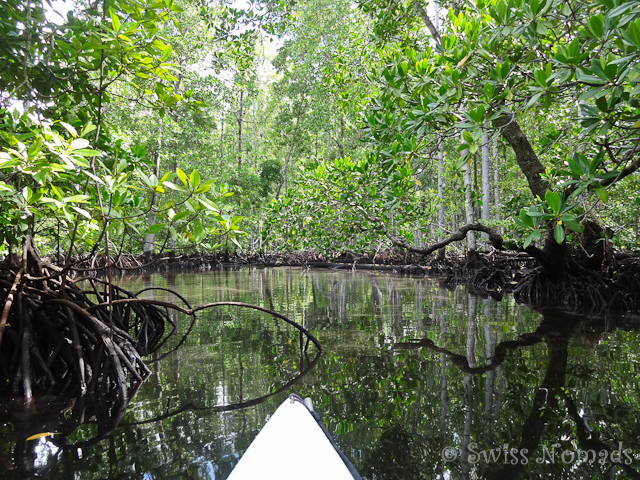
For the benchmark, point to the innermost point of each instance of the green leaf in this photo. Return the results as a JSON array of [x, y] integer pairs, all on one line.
[[528, 240], [76, 198], [156, 228], [558, 233], [5, 188], [602, 193], [573, 226], [194, 179], [87, 152], [115, 21], [69, 128], [179, 216], [198, 232], [183, 177], [79, 143], [596, 25], [173, 186], [532, 101], [165, 53], [616, 12], [208, 204], [553, 200], [82, 212]]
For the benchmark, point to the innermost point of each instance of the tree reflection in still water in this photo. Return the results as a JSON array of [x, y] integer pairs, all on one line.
[[409, 368]]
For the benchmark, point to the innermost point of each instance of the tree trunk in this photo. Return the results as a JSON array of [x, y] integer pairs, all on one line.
[[253, 136], [486, 181], [341, 143], [525, 155], [468, 205], [150, 237], [441, 252], [240, 132], [286, 163], [496, 180], [328, 154], [222, 145]]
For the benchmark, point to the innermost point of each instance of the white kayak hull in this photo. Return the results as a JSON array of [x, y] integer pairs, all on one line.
[[293, 445]]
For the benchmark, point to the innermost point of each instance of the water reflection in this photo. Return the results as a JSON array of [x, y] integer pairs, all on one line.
[[409, 369]]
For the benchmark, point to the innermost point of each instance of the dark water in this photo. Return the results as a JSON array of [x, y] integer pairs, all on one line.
[[488, 379]]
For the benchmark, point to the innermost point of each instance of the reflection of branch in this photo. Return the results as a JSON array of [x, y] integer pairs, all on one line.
[[158, 303], [461, 361], [592, 442], [228, 408]]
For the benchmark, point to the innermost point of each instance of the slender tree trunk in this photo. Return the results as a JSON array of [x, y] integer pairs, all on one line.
[[150, 237], [468, 205], [496, 179], [222, 145], [441, 234], [286, 163], [341, 146], [240, 132], [328, 154], [486, 182], [253, 136]]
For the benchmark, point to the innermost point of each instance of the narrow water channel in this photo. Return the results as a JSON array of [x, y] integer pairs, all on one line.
[[416, 382]]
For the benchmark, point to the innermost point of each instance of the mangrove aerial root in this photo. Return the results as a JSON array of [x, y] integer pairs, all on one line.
[[82, 336], [53, 341], [589, 292]]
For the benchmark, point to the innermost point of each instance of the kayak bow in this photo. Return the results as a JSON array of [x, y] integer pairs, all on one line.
[[294, 444]]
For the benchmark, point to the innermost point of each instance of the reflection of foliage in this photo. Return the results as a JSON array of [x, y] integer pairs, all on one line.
[[392, 411], [394, 456]]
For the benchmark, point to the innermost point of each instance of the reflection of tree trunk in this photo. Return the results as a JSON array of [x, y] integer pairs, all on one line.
[[544, 403], [489, 383], [468, 403], [342, 303], [376, 301], [444, 395], [419, 320], [268, 292], [415, 418], [395, 304], [500, 387]]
